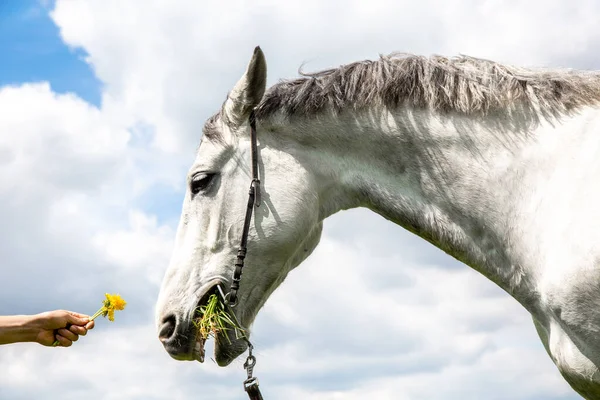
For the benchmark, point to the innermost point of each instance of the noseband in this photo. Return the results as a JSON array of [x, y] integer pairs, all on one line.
[[251, 383]]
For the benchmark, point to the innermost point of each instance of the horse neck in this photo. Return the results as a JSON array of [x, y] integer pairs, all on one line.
[[442, 177]]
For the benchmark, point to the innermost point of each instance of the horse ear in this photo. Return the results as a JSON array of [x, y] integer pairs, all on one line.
[[248, 91]]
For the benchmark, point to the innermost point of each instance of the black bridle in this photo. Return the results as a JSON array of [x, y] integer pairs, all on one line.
[[253, 201], [251, 383]]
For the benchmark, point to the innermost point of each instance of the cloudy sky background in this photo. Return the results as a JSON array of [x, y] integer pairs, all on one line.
[[101, 108]]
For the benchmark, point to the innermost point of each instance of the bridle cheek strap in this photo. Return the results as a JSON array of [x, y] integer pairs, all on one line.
[[250, 384], [253, 201]]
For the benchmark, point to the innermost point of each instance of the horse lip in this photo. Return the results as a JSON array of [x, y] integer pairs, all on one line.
[[184, 350], [225, 353], [196, 350]]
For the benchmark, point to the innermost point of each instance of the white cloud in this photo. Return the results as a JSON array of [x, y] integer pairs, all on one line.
[[39, 126], [60, 155], [143, 246], [407, 322]]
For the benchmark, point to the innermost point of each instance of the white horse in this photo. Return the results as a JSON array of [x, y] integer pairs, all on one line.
[[495, 165]]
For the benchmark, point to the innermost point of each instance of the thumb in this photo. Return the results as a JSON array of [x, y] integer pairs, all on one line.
[[77, 319]]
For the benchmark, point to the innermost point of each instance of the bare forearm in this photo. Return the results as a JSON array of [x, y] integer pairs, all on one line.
[[17, 328]]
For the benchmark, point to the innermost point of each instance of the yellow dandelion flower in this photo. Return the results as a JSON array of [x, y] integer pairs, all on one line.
[[113, 302], [118, 302]]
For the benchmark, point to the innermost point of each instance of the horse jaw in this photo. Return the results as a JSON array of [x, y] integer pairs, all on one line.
[[226, 352]]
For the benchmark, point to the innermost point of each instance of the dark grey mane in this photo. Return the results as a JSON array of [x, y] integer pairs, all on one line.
[[461, 84]]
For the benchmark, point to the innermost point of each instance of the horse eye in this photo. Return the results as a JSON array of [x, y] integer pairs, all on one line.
[[200, 182]]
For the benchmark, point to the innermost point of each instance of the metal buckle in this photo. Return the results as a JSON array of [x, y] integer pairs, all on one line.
[[250, 383], [225, 297]]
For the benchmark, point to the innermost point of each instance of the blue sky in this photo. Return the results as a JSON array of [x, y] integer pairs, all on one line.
[[162, 70], [31, 50]]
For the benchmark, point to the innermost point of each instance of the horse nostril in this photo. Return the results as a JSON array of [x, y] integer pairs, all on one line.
[[168, 328]]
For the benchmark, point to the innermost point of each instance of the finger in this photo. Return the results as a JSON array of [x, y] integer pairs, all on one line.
[[64, 342], [90, 325], [67, 334], [77, 319], [78, 330], [79, 315]]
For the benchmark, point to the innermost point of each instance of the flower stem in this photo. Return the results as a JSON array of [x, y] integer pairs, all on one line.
[[98, 313]]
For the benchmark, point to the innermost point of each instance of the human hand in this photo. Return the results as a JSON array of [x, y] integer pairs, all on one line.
[[63, 326]]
